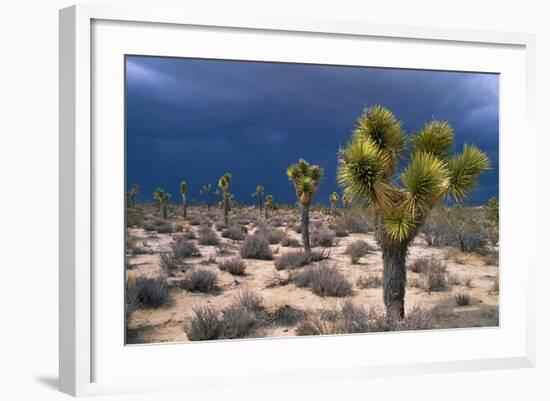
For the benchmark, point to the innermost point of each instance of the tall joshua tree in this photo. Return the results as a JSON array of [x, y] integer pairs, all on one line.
[[131, 196], [401, 204], [268, 205], [162, 198], [259, 195], [223, 184], [183, 191], [334, 198], [206, 192], [306, 179]]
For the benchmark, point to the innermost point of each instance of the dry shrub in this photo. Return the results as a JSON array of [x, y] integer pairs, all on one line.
[[235, 233], [151, 292], [353, 221], [237, 320], [463, 299], [185, 249], [435, 276], [256, 247], [321, 237], [325, 281], [296, 259], [208, 237], [369, 281], [199, 280], [161, 226], [468, 281], [351, 318], [205, 325], [287, 315], [356, 250], [291, 242], [234, 266], [250, 300]]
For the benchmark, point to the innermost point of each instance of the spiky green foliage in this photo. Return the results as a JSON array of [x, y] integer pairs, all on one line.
[[163, 198], [306, 179], [368, 163]]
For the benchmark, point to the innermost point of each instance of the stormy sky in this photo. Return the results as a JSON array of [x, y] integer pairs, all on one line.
[[193, 120]]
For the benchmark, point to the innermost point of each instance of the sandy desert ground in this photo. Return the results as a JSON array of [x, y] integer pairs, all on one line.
[[466, 273]]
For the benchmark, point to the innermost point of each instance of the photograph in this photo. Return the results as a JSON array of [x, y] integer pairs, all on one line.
[[274, 199]]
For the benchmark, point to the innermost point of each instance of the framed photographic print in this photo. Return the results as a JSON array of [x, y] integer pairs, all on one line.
[[295, 198]]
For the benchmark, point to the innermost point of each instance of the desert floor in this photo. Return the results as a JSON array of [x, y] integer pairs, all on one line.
[[166, 323]]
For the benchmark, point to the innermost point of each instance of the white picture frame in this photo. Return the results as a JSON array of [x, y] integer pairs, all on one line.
[[85, 354]]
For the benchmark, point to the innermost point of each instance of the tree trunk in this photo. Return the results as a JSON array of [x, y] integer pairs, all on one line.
[[305, 227], [208, 204], [184, 207], [394, 278], [266, 215], [164, 211], [225, 209], [334, 209]]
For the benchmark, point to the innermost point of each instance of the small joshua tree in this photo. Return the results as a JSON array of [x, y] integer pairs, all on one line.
[[206, 191], [131, 196], [334, 198], [162, 198], [259, 195], [268, 205], [346, 201], [366, 172], [183, 191], [306, 179], [223, 184]]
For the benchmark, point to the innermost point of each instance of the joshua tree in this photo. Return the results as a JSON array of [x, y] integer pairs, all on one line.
[[131, 196], [223, 184], [492, 209], [206, 191], [334, 198], [306, 179], [366, 172], [346, 201], [163, 198], [183, 190], [259, 194], [268, 205]]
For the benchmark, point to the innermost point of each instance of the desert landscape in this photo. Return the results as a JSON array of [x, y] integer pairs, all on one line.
[[198, 268], [285, 199]]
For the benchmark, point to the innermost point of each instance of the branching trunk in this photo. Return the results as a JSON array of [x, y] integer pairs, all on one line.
[[394, 278], [305, 227]]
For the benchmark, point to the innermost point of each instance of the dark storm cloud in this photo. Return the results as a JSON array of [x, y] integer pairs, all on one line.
[[196, 119]]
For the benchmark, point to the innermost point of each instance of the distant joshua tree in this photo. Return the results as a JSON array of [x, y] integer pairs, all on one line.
[[366, 172], [492, 209], [268, 205], [183, 191], [259, 195], [131, 196], [223, 184], [334, 198], [346, 201], [162, 198], [206, 191], [306, 179]]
